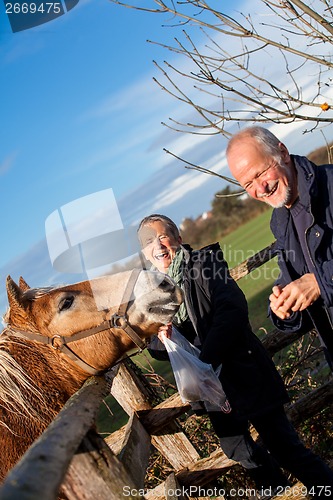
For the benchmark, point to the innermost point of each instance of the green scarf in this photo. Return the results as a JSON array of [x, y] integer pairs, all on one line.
[[175, 272]]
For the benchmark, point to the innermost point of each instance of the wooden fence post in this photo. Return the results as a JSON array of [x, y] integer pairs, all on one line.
[[171, 442]]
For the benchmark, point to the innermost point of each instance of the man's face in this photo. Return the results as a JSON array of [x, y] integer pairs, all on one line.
[[159, 246], [262, 176]]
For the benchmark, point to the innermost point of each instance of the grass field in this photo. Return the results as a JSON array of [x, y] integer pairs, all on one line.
[[237, 246], [247, 239]]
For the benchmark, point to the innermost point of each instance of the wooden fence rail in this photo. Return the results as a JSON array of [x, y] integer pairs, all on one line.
[[72, 461]]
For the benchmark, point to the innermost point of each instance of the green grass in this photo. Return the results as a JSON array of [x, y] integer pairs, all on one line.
[[237, 247], [111, 416], [247, 239]]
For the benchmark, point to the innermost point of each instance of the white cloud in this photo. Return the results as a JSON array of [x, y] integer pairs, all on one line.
[[143, 97], [186, 183]]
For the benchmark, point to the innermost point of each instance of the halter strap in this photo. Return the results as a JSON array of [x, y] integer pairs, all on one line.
[[118, 320]]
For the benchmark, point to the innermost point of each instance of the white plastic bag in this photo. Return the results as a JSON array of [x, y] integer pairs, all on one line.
[[196, 380]]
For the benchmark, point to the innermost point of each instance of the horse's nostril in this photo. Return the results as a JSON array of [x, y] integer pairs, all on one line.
[[168, 284]]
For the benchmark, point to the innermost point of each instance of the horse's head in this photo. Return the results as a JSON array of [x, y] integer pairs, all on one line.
[[65, 312]]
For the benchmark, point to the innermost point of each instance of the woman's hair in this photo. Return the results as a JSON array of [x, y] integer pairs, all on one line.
[[160, 218]]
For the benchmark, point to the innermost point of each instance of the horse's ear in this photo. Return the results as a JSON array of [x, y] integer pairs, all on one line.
[[14, 293], [23, 285]]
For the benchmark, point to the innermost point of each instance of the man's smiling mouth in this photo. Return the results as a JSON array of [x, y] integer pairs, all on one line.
[[272, 191]]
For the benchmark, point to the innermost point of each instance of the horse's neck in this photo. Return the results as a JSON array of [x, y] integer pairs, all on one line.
[[55, 378], [36, 396]]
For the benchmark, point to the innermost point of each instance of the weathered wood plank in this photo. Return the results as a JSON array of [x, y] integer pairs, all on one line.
[[196, 474], [116, 439], [296, 492], [311, 404], [157, 493], [248, 265], [132, 394], [171, 443], [276, 340], [129, 390], [172, 488], [175, 447], [158, 417], [205, 470], [136, 450], [95, 473]]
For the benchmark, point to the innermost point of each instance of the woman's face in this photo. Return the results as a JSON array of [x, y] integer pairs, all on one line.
[[159, 245]]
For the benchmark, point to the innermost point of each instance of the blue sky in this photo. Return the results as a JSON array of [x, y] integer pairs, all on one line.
[[68, 128], [80, 113]]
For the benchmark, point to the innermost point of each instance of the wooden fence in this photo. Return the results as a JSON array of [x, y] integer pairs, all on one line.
[[73, 459]]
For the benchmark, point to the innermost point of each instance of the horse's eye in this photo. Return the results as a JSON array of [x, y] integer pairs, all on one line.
[[66, 303]]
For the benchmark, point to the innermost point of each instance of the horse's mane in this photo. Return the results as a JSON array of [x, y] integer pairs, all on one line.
[[18, 393], [13, 383]]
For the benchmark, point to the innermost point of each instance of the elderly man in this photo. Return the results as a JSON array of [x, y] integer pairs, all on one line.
[[301, 194], [215, 313]]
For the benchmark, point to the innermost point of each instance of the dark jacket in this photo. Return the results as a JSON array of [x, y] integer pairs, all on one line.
[[315, 187], [219, 313]]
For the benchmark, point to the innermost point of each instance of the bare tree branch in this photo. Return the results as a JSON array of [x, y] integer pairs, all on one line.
[[192, 166], [221, 69]]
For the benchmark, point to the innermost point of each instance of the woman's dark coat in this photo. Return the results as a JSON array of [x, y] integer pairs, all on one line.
[[219, 313]]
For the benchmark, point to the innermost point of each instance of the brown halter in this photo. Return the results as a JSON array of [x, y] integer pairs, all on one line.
[[117, 320]]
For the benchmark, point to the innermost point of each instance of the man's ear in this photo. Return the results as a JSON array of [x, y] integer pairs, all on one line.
[[180, 241], [284, 153]]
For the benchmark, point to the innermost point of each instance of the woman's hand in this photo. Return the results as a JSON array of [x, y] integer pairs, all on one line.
[[164, 330]]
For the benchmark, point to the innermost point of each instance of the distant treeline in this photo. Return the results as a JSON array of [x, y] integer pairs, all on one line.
[[228, 213]]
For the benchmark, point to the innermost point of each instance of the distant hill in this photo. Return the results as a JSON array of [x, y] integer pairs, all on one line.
[[228, 212], [322, 155]]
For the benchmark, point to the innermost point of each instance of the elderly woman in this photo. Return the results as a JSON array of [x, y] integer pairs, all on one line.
[[215, 316]]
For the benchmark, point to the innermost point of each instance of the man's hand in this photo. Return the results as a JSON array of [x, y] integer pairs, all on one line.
[[296, 296], [164, 330]]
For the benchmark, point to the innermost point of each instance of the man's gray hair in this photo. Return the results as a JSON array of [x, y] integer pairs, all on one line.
[[160, 218], [268, 141]]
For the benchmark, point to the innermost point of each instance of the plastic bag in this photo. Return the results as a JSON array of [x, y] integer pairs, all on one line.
[[196, 380], [157, 349]]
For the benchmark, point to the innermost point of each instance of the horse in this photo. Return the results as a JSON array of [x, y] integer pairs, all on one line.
[[57, 337]]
